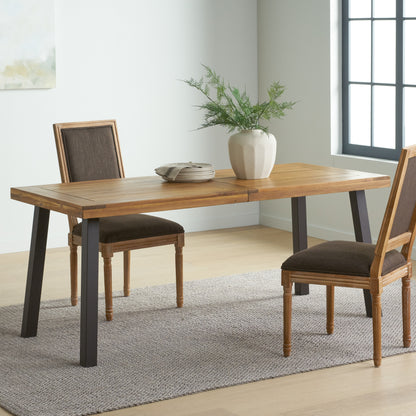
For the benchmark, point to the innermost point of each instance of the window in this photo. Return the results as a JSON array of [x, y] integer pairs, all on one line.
[[378, 77]]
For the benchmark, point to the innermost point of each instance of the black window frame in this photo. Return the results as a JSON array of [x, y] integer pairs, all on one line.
[[363, 150]]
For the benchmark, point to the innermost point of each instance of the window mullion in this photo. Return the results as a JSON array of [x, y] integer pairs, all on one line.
[[369, 150], [399, 74], [345, 75], [372, 77]]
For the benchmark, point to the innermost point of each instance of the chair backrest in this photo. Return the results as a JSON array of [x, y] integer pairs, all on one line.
[[399, 224], [88, 151]]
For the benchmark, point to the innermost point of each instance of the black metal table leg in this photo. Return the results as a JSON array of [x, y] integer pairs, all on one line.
[[35, 272], [299, 235], [89, 293], [362, 232]]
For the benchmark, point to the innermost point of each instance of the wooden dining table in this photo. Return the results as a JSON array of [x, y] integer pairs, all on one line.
[[93, 200]]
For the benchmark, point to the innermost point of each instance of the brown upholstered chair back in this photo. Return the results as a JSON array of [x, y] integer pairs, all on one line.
[[399, 223], [88, 151], [407, 201]]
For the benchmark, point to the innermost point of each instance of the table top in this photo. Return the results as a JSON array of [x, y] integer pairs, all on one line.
[[105, 198]]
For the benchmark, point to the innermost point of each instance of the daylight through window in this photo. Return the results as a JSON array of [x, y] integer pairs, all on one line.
[[378, 77]]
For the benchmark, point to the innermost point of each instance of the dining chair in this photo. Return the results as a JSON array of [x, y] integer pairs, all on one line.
[[89, 151], [361, 265]]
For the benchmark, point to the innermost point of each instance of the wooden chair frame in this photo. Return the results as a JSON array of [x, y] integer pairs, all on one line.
[[375, 282], [108, 249]]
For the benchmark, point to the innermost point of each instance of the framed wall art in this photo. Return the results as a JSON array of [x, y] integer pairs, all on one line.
[[27, 44]]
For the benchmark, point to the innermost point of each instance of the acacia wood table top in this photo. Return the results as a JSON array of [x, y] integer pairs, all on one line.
[[105, 198]]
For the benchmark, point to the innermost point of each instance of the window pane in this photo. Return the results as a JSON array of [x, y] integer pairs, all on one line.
[[360, 51], [384, 103], [360, 8], [409, 35], [409, 8], [384, 51], [384, 8], [409, 116], [360, 115]]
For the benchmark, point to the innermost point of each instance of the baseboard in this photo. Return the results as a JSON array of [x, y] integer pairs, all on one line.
[[212, 218], [313, 230]]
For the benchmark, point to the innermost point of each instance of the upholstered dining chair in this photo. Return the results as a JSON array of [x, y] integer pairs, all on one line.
[[89, 151], [361, 265]]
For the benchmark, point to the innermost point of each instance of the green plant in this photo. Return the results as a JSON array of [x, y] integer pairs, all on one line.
[[230, 108]]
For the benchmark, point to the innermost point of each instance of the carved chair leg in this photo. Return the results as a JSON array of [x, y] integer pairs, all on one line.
[[73, 257], [330, 309], [287, 315], [406, 311], [108, 285], [179, 274], [376, 297], [126, 258]]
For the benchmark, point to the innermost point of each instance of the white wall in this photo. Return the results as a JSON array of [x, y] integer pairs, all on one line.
[[123, 59], [299, 45]]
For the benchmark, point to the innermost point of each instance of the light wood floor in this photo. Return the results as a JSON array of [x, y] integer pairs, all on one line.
[[356, 389]]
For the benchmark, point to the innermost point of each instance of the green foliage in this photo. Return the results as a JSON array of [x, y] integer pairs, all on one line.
[[228, 107]]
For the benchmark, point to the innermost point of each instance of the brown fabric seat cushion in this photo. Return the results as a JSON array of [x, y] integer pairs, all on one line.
[[341, 257], [132, 227]]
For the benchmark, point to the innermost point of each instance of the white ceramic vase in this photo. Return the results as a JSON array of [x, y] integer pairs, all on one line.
[[252, 154]]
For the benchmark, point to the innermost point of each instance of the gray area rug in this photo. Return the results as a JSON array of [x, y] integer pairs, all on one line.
[[228, 333]]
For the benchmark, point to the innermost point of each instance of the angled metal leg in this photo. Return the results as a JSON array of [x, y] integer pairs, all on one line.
[[299, 235], [362, 232], [89, 293], [360, 216], [35, 272]]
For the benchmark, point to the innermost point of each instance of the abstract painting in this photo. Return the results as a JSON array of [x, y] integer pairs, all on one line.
[[27, 44]]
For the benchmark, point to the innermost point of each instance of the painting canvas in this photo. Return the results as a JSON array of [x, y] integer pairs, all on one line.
[[27, 44]]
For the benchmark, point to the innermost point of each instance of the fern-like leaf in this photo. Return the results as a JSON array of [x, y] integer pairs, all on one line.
[[232, 109]]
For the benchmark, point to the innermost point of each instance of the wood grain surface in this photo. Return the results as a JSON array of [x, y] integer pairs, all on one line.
[[105, 198]]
